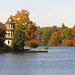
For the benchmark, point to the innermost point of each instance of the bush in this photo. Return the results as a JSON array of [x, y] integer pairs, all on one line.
[[31, 43], [46, 48], [68, 42]]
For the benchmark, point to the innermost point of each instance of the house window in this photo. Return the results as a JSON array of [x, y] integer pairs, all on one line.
[[7, 25], [8, 42], [11, 25], [11, 35], [13, 31], [8, 30], [8, 34]]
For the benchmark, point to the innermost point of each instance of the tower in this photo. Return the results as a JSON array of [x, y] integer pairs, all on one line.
[[10, 28]]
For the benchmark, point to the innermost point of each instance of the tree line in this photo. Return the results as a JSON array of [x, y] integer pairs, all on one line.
[[56, 36]]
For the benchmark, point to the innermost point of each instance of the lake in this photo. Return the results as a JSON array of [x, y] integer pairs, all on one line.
[[58, 61]]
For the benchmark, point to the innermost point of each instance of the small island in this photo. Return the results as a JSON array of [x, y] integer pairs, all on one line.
[[37, 51]]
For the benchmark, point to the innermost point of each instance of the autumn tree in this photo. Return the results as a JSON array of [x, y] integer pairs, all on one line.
[[31, 43], [68, 43], [73, 31], [73, 35], [55, 39], [2, 33], [31, 29], [45, 33], [54, 29], [38, 37], [21, 19]]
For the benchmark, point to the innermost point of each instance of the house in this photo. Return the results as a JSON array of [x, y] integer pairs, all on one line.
[[10, 28]]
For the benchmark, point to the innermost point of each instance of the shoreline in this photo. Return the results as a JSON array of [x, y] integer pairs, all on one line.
[[27, 51], [23, 52]]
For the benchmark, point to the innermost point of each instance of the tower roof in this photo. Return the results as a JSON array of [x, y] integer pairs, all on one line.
[[10, 20]]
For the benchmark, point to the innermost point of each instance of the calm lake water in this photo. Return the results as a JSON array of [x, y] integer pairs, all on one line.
[[58, 61]]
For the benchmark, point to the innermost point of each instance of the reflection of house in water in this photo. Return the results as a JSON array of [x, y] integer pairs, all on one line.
[[10, 28]]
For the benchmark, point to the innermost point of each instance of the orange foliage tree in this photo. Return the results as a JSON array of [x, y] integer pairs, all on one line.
[[73, 31], [21, 19], [55, 39], [68, 42], [31, 43]]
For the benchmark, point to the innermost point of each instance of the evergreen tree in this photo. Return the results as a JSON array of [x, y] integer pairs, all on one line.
[[63, 25], [18, 40]]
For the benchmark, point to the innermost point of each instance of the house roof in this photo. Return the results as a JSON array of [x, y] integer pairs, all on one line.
[[10, 20]]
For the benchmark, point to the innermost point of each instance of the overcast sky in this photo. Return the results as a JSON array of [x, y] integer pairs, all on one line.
[[43, 12]]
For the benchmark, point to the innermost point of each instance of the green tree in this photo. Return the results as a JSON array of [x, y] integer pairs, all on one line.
[[63, 26], [18, 40], [46, 36], [66, 34]]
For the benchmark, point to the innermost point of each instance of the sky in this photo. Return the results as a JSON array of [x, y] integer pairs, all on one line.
[[45, 13]]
